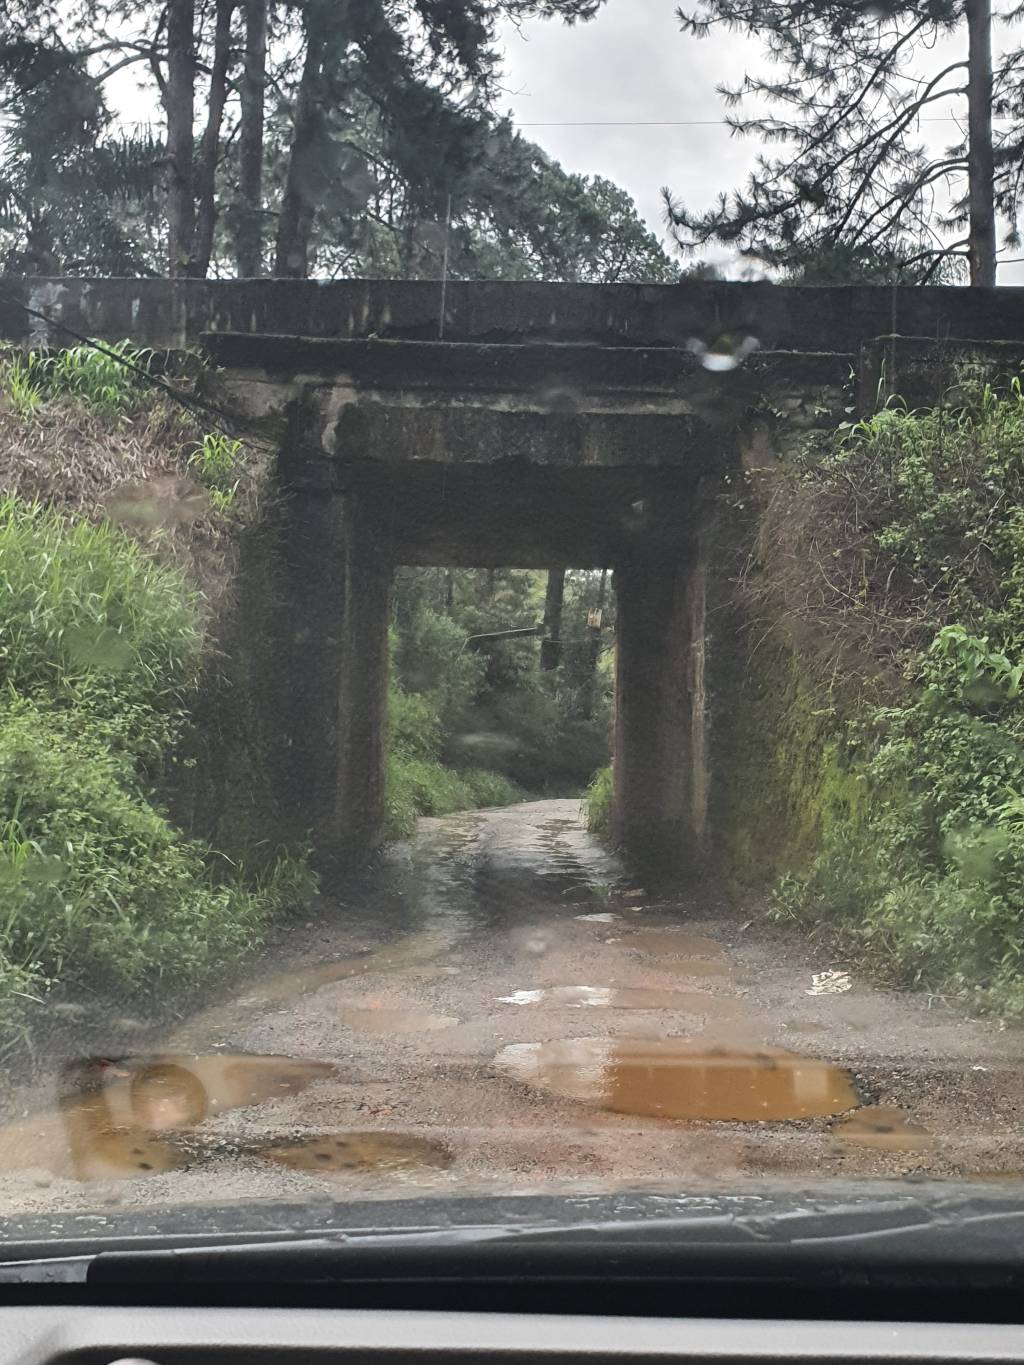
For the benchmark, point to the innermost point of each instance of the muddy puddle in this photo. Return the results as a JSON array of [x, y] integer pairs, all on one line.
[[885, 1128], [697, 967], [408, 954], [680, 1079], [396, 1020], [626, 998], [674, 943], [366, 1151], [117, 1117]]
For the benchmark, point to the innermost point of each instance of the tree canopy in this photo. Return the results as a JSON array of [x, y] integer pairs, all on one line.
[[293, 137], [854, 180]]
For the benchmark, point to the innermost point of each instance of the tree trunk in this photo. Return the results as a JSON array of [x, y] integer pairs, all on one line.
[[981, 194], [206, 186], [551, 645], [295, 219], [249, 229], [179, 103]]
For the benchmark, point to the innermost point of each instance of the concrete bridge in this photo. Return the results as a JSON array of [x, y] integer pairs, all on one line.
[[524, 425]]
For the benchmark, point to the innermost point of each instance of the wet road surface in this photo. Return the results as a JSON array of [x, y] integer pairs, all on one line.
[[500, 1008]]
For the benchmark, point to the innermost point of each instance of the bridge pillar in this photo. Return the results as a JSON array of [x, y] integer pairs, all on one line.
[[298, 674], [659, 781], [329, 663], [358, 809]]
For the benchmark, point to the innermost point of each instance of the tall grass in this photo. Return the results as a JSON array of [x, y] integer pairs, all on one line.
[[97, 378], [418, 783], [598, 804], [98, 647], [87, 618]]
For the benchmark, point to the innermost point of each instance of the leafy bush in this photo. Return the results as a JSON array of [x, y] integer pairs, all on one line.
[[86, 618], [417, 783], [99, 889], [98, 645], [417, 786]]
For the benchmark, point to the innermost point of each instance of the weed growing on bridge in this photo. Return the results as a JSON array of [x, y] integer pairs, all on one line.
[[217, 461], [598, 804]]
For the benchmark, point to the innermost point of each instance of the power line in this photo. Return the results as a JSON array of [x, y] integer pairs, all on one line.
[[695, 122]]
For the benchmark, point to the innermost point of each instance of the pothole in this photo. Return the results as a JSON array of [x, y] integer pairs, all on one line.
[[680, 1079], [364, 1151]]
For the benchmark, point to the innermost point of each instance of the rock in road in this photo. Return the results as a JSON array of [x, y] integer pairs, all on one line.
[[500, 1008]]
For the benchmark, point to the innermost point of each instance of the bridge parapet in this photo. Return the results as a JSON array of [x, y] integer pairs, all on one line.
[[174, 313]]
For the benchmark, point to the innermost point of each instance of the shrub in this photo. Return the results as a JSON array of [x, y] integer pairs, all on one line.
[[99, 889], [931, 885], [598, 804], [87, 619], [416, 786], [98, 645]]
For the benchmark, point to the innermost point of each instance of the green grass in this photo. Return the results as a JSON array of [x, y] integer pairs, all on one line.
[[98, 651], [419, 786], [96, 378], [417, 782], [87, 619], [217, 462], [598, 804]]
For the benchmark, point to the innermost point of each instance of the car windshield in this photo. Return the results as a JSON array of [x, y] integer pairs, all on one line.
[[511, 600]]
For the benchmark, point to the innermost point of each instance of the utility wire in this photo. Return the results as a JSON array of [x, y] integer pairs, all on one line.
[[696, 122]]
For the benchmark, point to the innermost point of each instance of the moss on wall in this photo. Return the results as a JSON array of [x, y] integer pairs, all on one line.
[[785, 772]]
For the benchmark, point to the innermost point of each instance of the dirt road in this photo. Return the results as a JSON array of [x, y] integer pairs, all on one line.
[[501, 1008]]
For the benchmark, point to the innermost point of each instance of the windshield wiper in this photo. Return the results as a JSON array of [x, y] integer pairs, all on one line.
[[934, 1234]]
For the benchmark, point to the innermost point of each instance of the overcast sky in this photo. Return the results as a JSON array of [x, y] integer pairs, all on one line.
[[629, 70]]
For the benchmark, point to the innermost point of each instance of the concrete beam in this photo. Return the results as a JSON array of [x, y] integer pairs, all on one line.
[[507, 515]]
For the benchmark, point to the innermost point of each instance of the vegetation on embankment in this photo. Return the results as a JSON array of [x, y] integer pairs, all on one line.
[[104, 635], [872, 765], [144, 846]]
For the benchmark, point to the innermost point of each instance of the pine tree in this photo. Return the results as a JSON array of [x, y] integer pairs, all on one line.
[[855, 180]]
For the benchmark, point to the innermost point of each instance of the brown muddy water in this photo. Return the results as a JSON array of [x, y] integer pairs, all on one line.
[[677, 1078], [886, 1128], [627, 998], [368, 1151], [114, 1115]]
